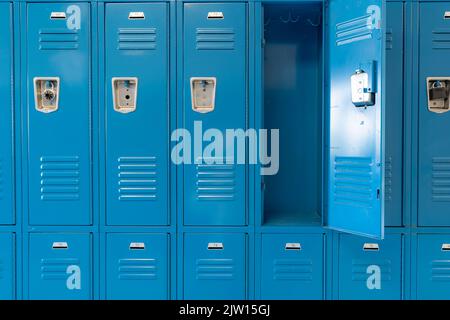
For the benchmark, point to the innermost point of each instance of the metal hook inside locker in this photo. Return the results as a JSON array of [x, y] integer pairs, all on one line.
[[290, 19]]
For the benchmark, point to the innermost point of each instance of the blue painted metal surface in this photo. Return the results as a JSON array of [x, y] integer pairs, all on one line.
[[137, 266], [433, 262], [60, 266], [370, 269], [137, 142], [292, 266], [7, 266], [355, 178], [434, 148], [214, 194], [215, 266], [59, 143], [7, 118]]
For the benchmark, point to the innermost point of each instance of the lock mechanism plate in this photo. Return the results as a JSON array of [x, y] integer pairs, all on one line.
[[438, 92], [125, 94], [46, 94], [203, 93]]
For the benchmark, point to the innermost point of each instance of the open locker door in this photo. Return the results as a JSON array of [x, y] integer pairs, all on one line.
[[355, 101]]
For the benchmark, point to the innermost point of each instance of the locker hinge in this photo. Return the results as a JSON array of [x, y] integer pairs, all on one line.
[[378, 194]]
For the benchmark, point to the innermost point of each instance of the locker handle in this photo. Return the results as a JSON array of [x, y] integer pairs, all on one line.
[[293, 246], [60, 245], [371, 247], [445, 247], [58, 16], [215, 15], [447, 15], [137, 246], [136, 16], [215, 246]]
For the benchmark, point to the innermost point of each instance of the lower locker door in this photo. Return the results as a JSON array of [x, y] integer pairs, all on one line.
[[60, 266], [292, 266], [370, 269], [7, 266], [433, 266], [215, 266], [137, 266]]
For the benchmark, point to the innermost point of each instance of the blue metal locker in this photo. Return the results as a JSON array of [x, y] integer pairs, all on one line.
[[433, 266], [59, 266], [59, 113], [370, 269], [393, 180], [355, 105], [215, 266], [434, 121], [137, 130], [292, 266], [7, 118], [7, 266], [137, 266], [215, 55]]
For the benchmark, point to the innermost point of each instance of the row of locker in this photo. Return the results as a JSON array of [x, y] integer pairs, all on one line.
[[216, 266]]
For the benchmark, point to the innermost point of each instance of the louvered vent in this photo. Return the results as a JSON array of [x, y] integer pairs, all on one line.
[[60, 178], [58, 39], [215, 269], [138, 269], [353, 30], [136, 39], [215, 39], [440, 179], [137, 178], [216, 182], [293, 269]]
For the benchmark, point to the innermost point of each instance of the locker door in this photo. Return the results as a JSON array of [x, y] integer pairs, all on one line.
[[215, 266], [393, 191], [59, 113], [137, 136], [215, 49], [6, 118], [355, 71], [434, 145], [59, 266], [7, 266], [137, 266]]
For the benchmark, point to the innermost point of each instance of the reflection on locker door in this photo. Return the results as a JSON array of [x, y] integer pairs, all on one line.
[[137, 266], [6, 119], [434, 145], [433, 266], [59, 113], [7, 266], [370, 269], [137, 113], [215, 266], [292, 266], [214, 97], [394, 115], [59, 266]]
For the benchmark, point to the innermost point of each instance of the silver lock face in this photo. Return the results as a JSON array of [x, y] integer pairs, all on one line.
[[438, 91], [46, 94], [125, 94], [203, 93], [362, 95]]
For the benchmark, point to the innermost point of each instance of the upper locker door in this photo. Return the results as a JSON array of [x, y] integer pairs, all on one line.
[[137, 113], [355, 166], [59, 113], [6, 118], [215, 73]]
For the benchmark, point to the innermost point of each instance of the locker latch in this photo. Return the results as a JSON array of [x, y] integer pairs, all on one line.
[[438, 90], [215, 246], [371, 247], [363, 94], [445, 247], [125, 94], [46, 94], [293, 246], [203, 94], [60, 245], [137, 246], [136, 16]]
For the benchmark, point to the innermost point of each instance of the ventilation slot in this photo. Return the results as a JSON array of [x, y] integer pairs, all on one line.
[[388, 179], [389, 39], [215, 182], [58, 39], [353, 181], [215, 269], [60, 178], [137, 39], [138, 269], [137, 178], [440, 190], [441, 39], [359, 269], [440, 270], [353, 30], [215, 39], [293, 269], [56, 269]]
